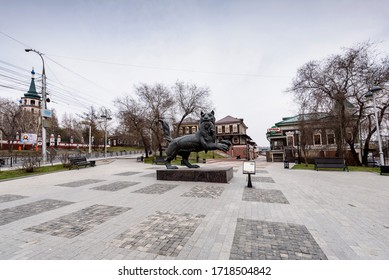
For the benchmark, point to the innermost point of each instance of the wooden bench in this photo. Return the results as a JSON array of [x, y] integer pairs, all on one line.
[[80, 161], [159, 160], [330, 163], [384, 169], [372, 163]]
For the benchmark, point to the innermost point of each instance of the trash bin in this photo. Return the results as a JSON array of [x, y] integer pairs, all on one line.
[[286, 164], [204, 160]]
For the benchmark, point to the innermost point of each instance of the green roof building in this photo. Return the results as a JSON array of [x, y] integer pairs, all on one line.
[[31, 101]]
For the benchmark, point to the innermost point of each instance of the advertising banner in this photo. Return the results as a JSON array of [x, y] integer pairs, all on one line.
[[28, 138]]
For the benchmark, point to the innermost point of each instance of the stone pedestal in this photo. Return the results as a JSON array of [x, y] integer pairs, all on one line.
[[213, 175]]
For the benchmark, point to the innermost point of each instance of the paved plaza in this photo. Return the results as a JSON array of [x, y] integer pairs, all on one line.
[[118, 210]]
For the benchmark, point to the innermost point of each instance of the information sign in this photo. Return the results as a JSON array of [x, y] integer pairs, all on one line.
[[249, 167]]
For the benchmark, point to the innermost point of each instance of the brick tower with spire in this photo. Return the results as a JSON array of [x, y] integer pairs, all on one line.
[[31, 101]]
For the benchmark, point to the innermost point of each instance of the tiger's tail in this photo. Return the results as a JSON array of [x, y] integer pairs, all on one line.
[[166, 130]]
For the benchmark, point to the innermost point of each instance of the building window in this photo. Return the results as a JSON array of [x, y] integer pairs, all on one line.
[[317, 139], [180, 131], [32, 102], [187, 130], [227, 129], [235, 140], [234, 128], [194, 129], [289, 141], [330, 139], [219, 129]]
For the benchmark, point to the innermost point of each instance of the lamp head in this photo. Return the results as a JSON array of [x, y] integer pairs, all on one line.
[[28, 50], [375, 88]]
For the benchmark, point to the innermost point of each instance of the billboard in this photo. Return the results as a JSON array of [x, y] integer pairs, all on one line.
[[28, 138]]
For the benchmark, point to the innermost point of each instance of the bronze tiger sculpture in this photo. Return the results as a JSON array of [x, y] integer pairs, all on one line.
[[203, 140]]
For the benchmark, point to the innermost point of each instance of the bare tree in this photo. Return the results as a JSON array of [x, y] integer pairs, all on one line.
[[337, 85], [72, 129], [190, 99], [10, 115], [131, 115], [150, 103], [306, 129], [158, 101]]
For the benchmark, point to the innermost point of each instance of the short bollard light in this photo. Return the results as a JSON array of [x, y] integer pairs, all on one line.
[[286, 164]]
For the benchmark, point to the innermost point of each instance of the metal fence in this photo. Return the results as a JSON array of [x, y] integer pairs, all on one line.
[[17, 160]]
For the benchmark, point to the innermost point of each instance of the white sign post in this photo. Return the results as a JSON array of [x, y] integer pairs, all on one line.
[[249, 168]]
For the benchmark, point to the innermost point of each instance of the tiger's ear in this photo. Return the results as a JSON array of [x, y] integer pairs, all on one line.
[[202, 114], [212, 112]]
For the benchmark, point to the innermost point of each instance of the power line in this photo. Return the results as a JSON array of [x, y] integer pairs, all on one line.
[[71, 71], [14, 80], [16, 40], [172, 69], [21, 82]]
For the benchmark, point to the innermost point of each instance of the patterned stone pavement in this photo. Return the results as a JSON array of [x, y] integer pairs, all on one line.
[[156, 189], [12, 214], [128, 173], [264, 195], [80, 183], [262, 179], [78, 222], [205, 192], [10, 197], [163, 233], [116, 186], [261, 240], [288, 214], [150, 175]]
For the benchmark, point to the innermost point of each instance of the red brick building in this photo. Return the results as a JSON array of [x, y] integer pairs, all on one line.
[[235, 130]]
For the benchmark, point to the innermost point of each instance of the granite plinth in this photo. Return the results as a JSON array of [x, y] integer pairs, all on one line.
[[213, 175]]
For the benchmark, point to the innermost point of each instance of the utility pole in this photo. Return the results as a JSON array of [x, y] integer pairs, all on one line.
[[43, 105], [90, 139], [107, 118], [90, 131]]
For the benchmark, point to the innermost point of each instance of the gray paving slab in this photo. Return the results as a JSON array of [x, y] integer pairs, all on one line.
[[115, 186], [12, 214], [78, 222], [10, 197], [264, 195], [274, 241], [289, 214], [79, 183]]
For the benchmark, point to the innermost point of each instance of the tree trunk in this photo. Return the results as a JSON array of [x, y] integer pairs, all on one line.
[[355, 154], [145, 145], [366, 150]]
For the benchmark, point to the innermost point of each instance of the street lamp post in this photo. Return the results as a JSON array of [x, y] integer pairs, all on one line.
[[106, 118], [43, 105], [90, 140], [371, 94]]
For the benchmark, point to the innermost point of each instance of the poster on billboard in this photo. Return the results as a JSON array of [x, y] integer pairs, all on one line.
[[28, 138]]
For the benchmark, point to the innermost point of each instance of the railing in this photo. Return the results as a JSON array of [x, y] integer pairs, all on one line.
[[16, 160], [277, 148]]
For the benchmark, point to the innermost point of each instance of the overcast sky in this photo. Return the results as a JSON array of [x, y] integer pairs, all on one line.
[[246, 52]]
